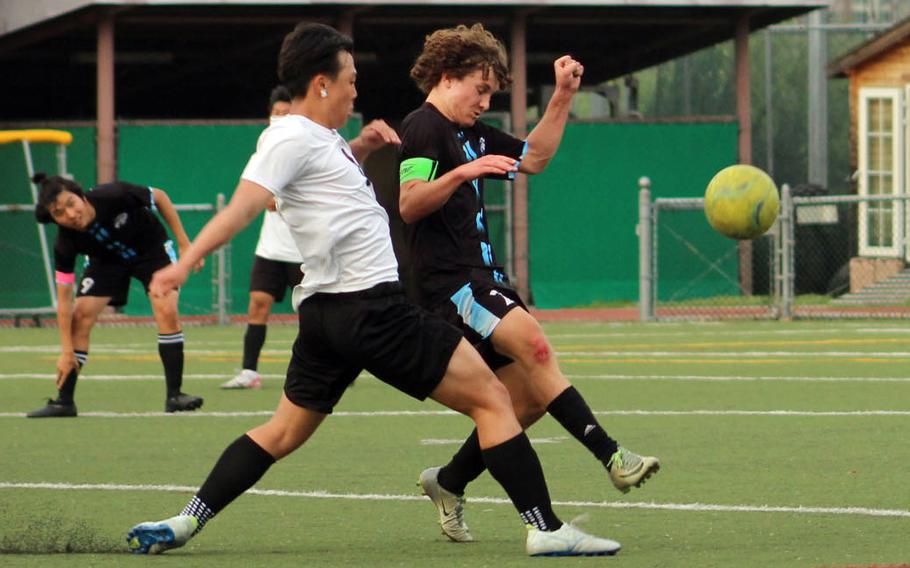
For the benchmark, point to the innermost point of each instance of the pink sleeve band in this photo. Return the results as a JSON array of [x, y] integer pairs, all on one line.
[[65, 277]]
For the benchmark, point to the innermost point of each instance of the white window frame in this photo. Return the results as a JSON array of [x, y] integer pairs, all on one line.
[[904, 207], [898, 151]]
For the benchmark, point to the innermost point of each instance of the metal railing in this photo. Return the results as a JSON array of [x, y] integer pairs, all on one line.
[[806, 266], [221, 271]]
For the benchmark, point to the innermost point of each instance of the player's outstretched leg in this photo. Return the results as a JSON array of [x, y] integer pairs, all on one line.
[[156, 537], [628, 469], [469, 386], [449, 505]]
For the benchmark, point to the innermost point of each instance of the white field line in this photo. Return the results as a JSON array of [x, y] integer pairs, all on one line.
[[602, 377], [147, 350], [460, 441], [738, 354], [92, 377], [554, 335], [735, 378], [560, 353], [694, 507], [423, 413], [607, 377], [619, 334]]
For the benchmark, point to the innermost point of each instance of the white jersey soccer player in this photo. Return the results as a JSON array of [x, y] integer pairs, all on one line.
[[340, 229]]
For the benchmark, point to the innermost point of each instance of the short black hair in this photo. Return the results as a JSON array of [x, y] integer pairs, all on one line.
[[310, 49], [50, 188], [279, 94]]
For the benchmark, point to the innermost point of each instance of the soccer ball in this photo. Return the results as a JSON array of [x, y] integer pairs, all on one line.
[[741, 202]]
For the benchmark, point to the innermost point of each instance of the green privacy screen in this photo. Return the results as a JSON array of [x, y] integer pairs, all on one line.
[[584, 207], [23, 281], [193, 163]]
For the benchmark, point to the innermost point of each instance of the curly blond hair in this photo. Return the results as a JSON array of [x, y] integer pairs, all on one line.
[[458, 52]]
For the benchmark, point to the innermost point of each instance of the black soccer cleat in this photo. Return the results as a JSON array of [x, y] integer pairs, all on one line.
[[182, 402], [54, 409]]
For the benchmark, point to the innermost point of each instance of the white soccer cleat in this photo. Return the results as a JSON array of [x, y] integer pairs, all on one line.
[[628, 469], [245, 379], [449, 505], [568, 541], [156, 537]]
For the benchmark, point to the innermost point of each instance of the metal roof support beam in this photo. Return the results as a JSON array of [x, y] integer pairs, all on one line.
[[345, 23], [818, 101], [519, 110], [106, 150], [744, 116], [743, 90]]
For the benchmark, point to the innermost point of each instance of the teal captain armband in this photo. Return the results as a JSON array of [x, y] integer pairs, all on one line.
[[423, 169]]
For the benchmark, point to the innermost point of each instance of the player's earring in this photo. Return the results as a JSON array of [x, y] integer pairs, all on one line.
[[323, 93]]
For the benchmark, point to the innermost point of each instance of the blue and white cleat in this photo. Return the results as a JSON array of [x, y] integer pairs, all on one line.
[[568, 541], [156, 537]]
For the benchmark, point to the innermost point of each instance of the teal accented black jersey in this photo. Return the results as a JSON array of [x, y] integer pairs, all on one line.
[[125, 229], [451, 246]]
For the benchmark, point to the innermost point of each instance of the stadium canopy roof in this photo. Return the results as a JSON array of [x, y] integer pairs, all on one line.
[[216, 59]]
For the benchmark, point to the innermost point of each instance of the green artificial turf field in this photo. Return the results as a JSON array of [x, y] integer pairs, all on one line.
[[782, 444]]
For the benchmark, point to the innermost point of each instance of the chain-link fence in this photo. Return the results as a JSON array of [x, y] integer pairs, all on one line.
[[825, 257], [27, 290]]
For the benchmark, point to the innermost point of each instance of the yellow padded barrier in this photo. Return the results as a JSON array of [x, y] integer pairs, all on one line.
[[40, 135]]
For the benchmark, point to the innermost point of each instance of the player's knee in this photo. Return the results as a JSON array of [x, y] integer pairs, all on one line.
[[278, 438], [260, 306], [83, 320], [167, 316], [539, 350]]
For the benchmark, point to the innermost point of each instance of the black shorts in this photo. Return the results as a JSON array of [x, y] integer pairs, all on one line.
[[274, 277], [477, 308], [112, 279], [375, 329]]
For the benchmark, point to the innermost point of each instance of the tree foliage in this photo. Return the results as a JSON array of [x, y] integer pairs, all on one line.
[[704, 84]]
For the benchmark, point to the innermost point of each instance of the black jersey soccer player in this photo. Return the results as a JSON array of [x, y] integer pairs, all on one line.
[[445, 154], [115, 227], [352, 312]]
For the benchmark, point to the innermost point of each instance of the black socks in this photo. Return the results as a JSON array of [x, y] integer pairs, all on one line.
[[514, 464], [170, 349], [253, 340], [464, 467], [574, 414], [68, 389], [569, 409], [241, 465]]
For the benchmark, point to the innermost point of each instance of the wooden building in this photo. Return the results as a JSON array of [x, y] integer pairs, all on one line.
[[879, 75]]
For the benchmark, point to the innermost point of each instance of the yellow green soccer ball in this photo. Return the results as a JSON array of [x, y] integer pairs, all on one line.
[[741, 202]]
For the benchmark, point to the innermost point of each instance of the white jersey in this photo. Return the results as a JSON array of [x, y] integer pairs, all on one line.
[[275, 240], [328, 204]]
